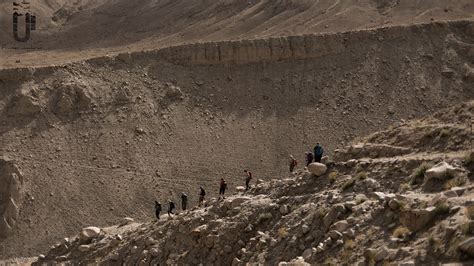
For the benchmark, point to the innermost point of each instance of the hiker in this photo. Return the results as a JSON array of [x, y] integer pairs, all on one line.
[[222, 188], [202, 193], [318, 153], [157, 209], [247, 179], [309, 158], [184, 201], [171, 208], [293, 163]]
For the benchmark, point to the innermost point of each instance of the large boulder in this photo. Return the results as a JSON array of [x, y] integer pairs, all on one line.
[[317, 169]]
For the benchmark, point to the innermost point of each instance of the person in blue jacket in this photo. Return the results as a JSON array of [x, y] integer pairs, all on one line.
[[318, 153]]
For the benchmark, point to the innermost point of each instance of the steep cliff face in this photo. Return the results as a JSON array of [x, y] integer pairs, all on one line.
[[101, 139], [318, 46]]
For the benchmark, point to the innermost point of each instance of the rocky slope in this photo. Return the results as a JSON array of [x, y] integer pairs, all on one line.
[[73, 30], [97, 140], [403, 195]]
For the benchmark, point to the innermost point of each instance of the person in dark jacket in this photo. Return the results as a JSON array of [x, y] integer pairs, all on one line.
[[184, 201], [171, 208], [247, 179], [222, 188], [157, 209], [293, 163], [202, 194], [309, 158], [318, 153]]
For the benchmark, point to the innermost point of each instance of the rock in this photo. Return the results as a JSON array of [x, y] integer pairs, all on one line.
[[115, 256], [440, 171], [459, 190], [238, 201], [154, 252], [84, 248], [240, 189], [340, 226], [379, 195], [394, 204], [381, 254], [335, 234], [333, 214], [349, 205], [89, 233], [116, 240], [284, 209], [305, 229], [351, 163], [260, 181], [308, 253], [450, 194], [467, 246], [200, 230], [417, 219], [126, 221], [317, 169], [325, 159]]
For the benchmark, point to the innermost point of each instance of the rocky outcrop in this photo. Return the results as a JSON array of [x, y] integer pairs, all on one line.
[[11, 181]]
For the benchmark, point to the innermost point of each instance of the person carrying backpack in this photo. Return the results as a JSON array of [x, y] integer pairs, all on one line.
[[202, 193], [247, 179], [293, 163], [318, 153], [157, 209], [171, 208], [222, 188], [309, 158], [184, 201]]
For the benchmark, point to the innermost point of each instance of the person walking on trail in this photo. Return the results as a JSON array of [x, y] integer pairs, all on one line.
[[247, 179], [157, 209], [293, 163], [309, 158], [184, 201], [171, 208], [222, 188], [318, 153], [202, 194]]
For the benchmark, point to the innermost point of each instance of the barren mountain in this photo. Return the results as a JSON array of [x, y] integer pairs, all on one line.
[[91, 142], [114, 104], [73, 30], [403, 195]]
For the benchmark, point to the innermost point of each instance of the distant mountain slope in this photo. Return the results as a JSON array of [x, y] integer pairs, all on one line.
[[70, 30]]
